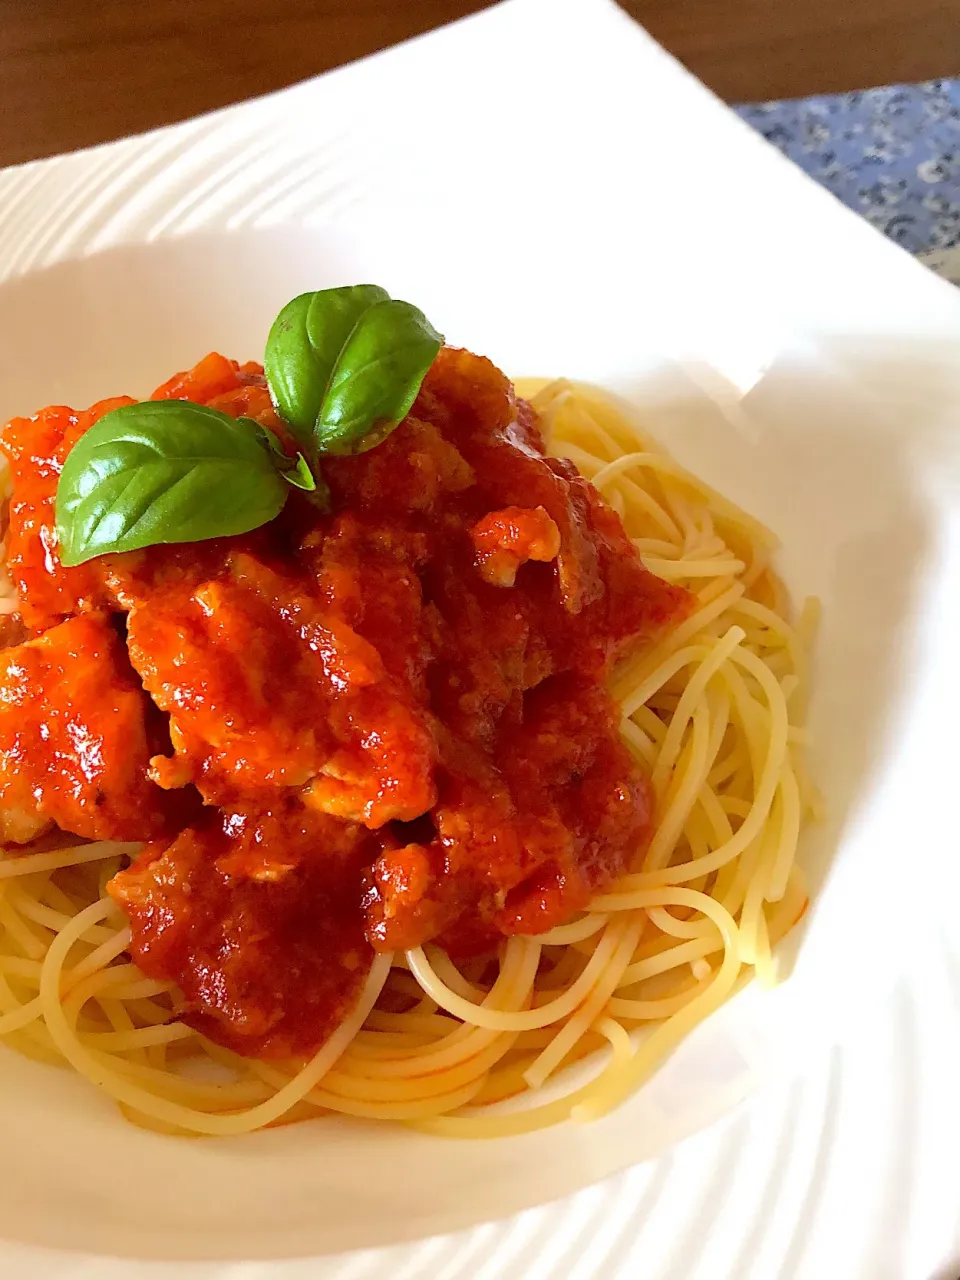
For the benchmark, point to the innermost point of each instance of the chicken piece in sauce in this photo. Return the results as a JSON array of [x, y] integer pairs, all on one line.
[[74, 738], [265, 689], [254, 917], [36, 449]]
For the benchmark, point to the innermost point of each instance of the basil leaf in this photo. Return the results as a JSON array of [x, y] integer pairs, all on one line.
[[377, 376], [299, 475], [345, 365], [302, 348], [160, 472], [296, 471]]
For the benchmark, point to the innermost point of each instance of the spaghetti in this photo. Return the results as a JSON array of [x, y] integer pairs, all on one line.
[[715, 713]]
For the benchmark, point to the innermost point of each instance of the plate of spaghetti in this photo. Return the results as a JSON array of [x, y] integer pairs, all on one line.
[[458, 733], [481, 751]]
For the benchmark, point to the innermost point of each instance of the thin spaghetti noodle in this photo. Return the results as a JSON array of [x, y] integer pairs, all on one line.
[[715, 713]]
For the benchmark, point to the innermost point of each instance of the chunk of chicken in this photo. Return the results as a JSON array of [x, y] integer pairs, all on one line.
[[254, 916], [265, 688], [73, 738], [36, 449]]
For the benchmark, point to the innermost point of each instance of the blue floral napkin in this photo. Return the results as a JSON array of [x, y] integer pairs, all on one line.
[[891, 154]]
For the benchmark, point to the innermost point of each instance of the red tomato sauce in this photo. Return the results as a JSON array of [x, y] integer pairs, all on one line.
[[390, 720]]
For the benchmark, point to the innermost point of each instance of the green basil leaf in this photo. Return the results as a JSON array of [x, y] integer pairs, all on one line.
[[376, 377], [299, 475], [296, 471], [302, 349], [164, 471], [345, 365]]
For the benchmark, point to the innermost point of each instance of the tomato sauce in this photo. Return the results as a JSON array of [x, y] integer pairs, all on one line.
[[76, 736], [395, 712]]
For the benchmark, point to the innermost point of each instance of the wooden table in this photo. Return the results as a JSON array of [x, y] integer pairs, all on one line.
[[75, 72]]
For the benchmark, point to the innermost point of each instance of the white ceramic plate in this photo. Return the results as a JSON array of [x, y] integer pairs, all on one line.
[[554, 191]]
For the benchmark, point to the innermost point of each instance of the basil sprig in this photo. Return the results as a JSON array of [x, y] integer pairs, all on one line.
[[343, 367], [169, 471]]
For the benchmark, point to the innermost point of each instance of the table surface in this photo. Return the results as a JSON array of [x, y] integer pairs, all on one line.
[[76, 72]]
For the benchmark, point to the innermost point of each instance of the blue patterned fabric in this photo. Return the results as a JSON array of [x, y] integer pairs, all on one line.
[[891, 154]]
